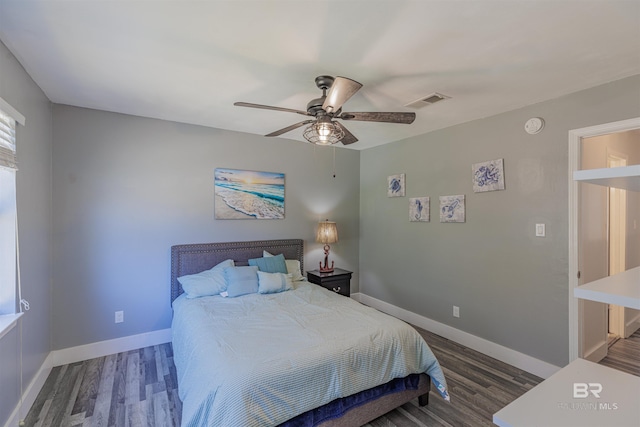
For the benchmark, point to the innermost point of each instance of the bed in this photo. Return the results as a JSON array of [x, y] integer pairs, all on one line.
[[304, 357]]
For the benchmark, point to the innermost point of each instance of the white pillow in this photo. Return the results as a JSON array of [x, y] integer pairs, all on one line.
[[206, 283], [269, 283], [293, 267]]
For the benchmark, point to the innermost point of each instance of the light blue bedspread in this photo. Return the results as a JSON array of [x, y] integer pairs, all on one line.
[[261, 359]]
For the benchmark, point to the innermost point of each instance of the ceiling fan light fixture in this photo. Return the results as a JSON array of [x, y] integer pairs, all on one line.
[[323, 132]]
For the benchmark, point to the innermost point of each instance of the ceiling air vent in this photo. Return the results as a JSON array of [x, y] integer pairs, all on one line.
[[427, 100]]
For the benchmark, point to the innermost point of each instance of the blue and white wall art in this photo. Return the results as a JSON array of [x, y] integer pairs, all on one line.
[[419, 209], [488, 176], [241, 194], [452, 208], [395, 185]]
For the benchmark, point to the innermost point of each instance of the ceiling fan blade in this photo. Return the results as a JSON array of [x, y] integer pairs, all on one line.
[[269, 107], [404, 118], [340, 91], [348, 136], [290, 128]]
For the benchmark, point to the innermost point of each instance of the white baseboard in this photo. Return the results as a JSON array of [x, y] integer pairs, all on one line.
[[632, 326], [497, 351], [104, 348], [31, 392], [597, 352]]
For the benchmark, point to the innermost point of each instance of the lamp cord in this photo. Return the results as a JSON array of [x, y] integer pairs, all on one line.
[[24, 306]]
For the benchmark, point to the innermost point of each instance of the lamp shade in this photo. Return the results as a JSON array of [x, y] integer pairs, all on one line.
[[327, 232]]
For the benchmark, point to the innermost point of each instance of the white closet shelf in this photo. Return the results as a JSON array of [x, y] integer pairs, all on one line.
[[625, 177], [620, 289]]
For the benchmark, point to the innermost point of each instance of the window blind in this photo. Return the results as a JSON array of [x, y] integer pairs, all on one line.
[[8, 141]]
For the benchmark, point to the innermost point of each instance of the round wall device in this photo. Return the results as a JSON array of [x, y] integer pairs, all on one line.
[[534, 125]]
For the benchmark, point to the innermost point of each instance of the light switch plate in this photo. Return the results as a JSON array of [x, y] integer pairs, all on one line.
[[541, 230]]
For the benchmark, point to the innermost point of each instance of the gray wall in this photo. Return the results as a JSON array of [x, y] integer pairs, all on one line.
[[34, 146], [511, 287], [127, 188]]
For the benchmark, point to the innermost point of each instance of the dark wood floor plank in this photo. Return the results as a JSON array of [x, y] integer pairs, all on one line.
[[62, 395], [100, 417], [151, 372], [426, 416], [402, 419], [116, 412], [175, 407], [70, 403], [45, 397], [142, 372], [136, 414], [140, 389], [75, 419], [381, 422], [89, 387], [37, 418], [161, 413], [132, 382]]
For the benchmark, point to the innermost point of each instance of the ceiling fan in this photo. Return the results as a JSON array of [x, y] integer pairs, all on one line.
[[323, 129]]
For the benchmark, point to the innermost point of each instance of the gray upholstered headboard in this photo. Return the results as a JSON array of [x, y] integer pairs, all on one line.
[[194, 258]]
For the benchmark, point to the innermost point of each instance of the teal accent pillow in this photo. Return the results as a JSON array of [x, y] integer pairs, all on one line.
[[272, 264], [241, 280], [293, 267]]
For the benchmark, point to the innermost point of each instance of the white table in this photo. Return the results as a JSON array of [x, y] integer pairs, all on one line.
[[552, 404]]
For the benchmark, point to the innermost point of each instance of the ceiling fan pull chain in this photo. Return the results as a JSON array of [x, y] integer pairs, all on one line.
[[334, 161]]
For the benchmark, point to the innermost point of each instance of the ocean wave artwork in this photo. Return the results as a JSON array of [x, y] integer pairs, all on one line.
[[242, 194]]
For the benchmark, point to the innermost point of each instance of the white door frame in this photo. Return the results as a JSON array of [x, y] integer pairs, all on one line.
[[575, 137]]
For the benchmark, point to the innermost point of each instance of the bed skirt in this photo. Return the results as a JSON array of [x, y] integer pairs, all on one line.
[[360, 408]]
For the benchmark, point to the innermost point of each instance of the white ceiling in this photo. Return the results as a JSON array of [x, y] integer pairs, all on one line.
[[188, 61]]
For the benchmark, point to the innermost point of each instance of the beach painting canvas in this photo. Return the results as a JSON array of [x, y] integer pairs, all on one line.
[[242, 194]]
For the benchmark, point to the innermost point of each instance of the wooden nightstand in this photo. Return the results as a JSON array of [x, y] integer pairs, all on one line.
[[338, 281]]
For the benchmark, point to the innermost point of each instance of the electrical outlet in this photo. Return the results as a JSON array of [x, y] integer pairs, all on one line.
[[119, 316], [456, 311]]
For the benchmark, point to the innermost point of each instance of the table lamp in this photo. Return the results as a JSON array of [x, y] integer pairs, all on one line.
[[326, 233]]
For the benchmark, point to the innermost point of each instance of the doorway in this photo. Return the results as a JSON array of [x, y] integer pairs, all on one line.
[[617, 244], [576, 318]]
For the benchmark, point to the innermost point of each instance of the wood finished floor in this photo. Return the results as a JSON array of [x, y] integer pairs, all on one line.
[[624, 355], [139, 388]]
